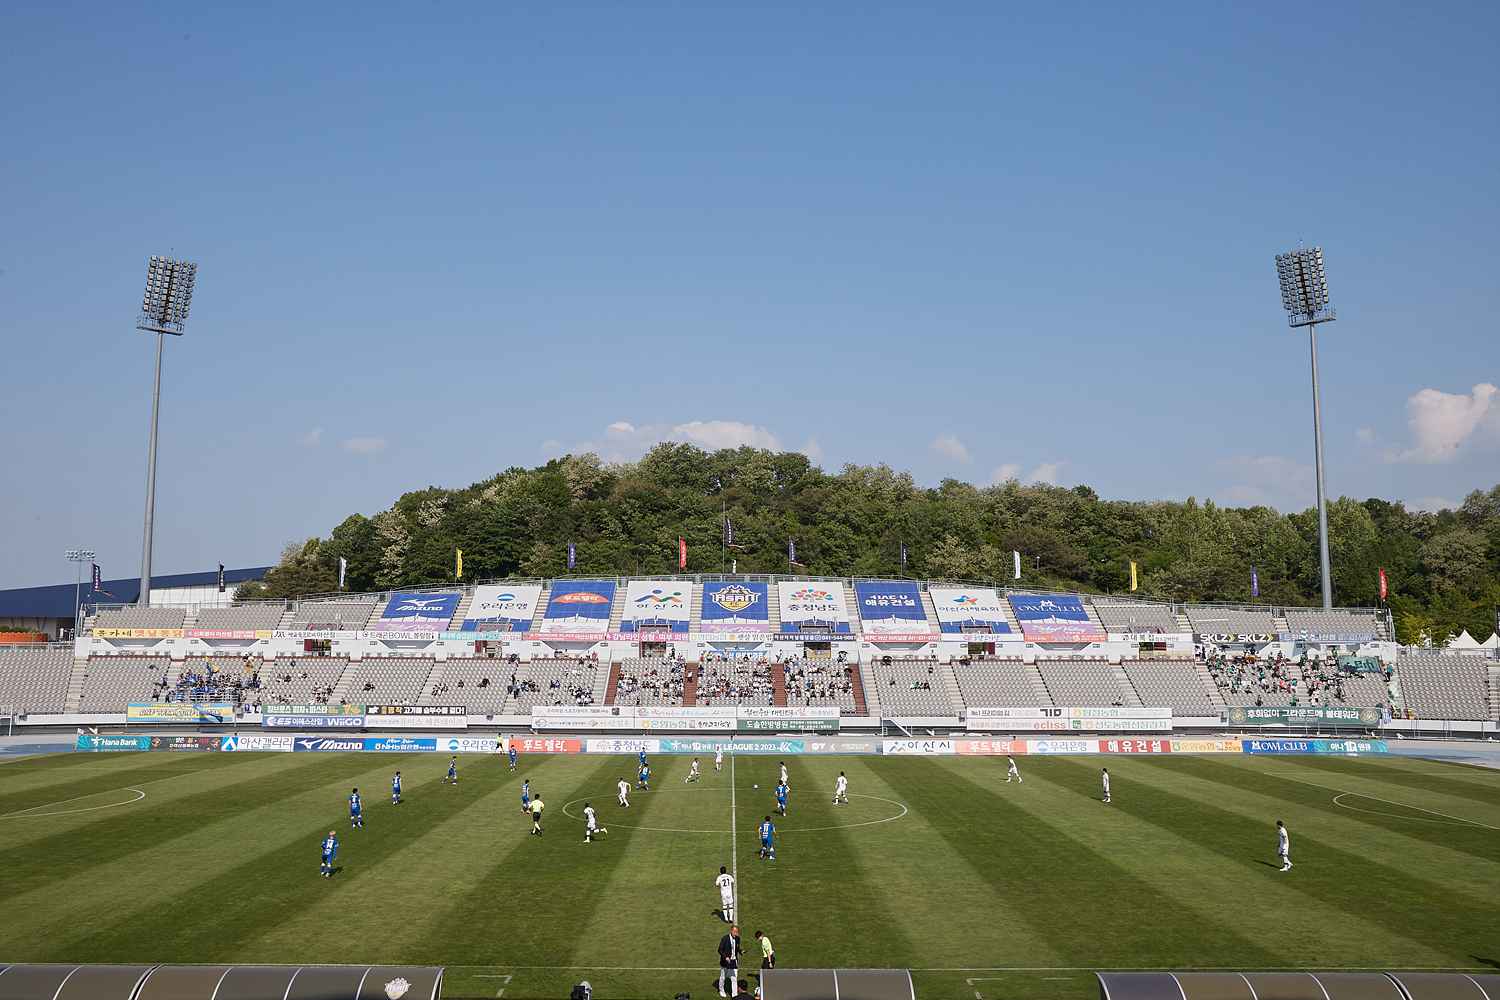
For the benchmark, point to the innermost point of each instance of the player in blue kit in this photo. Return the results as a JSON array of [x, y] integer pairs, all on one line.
[[330, 851], [356, 811], [396, 789], [643, 778], [640, 757], [452, 770], [767, 839], [512, 755], [526, 797], [781, 793]]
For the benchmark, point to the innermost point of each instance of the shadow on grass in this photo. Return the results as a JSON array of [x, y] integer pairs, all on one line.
[[1493, 963]]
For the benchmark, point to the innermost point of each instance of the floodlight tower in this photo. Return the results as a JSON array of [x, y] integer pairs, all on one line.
[[164, 310], [1304, 295], [78, 557]]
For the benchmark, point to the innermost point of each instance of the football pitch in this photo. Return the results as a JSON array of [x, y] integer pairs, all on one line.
[[937, 864]]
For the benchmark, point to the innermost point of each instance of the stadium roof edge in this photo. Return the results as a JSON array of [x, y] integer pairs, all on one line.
[[56, 600]]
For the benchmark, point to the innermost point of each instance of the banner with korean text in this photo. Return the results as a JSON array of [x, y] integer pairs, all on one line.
[[498, 608]]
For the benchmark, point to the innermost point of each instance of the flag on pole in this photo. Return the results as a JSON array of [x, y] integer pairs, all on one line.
[[343, 571], [572, 555], [98, 581], [728, 532], [903, 557], [1384, 587], [734, 565], [458, 564], [1016, 559], [1254, 583], [681, 552], [791, 550], [221, 578], [1134, 581]]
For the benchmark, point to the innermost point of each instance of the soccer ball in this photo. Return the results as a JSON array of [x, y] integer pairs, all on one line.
[[757, 787]]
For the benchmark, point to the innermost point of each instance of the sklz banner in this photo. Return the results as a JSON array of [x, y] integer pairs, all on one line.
[[813, 607], [1356, 717], [1054, 618], [181, 712], [502, 609], [657, 606], [891, 611], [969, 609], [735, 607], [579, 607], [417, 613]]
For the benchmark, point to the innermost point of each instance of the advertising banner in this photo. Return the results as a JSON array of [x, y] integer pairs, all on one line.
[[739, 746], [989, 748], [417, 613], [578, 608], [497, 608], [582, 717], [255, 743], [1059, 719], [316, 709], [546, 744], [765, 719], [969, 609], [1237, 638], [272, 719], [328, 744], [299, 634], [923, 748], [1314, 746], [195, 743], [193, 713], [1361, 664], [226, 633], [1060, 746], [416, 717], [92, 741], [1135, 746], [137, 633], [1355, 717], [657, 606], [1206, 746], [891, 610], [607, 745], [1345, 637], [735, 607], [1054, 618], [400, 744], [843, 745], [812, 608], [469, 744]]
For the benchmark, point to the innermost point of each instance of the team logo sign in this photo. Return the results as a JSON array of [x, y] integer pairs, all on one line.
[[580, 597], [659, 597], [734, 598], [812, 595]]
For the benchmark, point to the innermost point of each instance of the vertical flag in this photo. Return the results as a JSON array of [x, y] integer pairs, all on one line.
[[734, 565], [572, 555], [903, 558], [98, 582], [1016, 558], [1134, 580], [343, 571], [1254, 583], [791, 550], [458, 564], [221, 578], [1384, 587], [728, 532], [681, 552]]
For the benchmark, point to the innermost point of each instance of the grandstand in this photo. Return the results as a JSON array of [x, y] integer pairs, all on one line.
[[1172, 684], [480, 684], [819, 683], [386, 680], [1445, 687], [350, 614], [558, 681], [1315, 622], [134, 616], [649, 681], [240, 617], [34, 678], [112, 682], [735, 682], [1135, 616], [1001, 684], [910, 687], [1085, 683], [1212, 619], [308, 680]]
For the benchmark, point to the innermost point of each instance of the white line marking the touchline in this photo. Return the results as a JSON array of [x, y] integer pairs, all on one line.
[[1021, 968]]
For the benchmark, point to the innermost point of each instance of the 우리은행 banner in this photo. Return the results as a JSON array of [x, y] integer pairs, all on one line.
[[502, 609]]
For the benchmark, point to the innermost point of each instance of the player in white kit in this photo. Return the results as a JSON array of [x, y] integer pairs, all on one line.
[[1104, 779], [784, 780], [1014, 771], [692, 774], [718, 759], [841, 790], [624, 787], [725, 882], [1283, 846], [591, 824]]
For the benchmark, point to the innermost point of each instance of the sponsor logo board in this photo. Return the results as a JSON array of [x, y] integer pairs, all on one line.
[[546, 744], [815, 608], [327, 744], [1054, 618], [989, 748], [578, 608], [185, 743], [137, 633], [1060, 746], [891, 611], [739, 608], [226, 633], [844, 745], [93, 741], [1206, 746], [1303, 717], [974, 610], [192, 712], [1289, 746], [752, 746], [276, 721], [316, 709], [657, 606], [255, 743], [422, 613], [1135, 746], [918, 747], [400, 744], [416, 717], [469, 744], [610, 745], [499, 608]]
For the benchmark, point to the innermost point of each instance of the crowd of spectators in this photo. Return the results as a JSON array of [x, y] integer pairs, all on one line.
[[206, 682], [816, 680], [735, 680], [664, 679]]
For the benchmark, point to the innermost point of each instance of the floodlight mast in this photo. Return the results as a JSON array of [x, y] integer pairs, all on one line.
[[164, 310], [1304, 295]]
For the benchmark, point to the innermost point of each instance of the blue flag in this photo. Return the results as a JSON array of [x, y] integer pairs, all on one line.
[[1254, 583], [572, 555]]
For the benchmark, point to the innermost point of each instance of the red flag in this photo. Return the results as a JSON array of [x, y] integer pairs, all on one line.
[[1384, 589], [681, 553]]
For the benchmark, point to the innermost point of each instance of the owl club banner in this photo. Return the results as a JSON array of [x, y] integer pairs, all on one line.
[[891, 610], [813, 607], [969, 609], [579, 607], [657, 606], [735, 607], [406, 612], [1054, 618], [498, 608]]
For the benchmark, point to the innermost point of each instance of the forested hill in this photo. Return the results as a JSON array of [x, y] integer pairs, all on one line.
[[1444, 569]]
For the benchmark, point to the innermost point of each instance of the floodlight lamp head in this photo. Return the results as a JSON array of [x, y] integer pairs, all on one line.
[[169, 295], [1304, 287]]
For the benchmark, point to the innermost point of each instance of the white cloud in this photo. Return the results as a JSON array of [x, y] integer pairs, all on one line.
[[812, 450], [1432, 504], [620, 428], [950, 446], [1006, 472], [552, 448], [1267, 481], [312, 438], [715, 434], [365, 445], [1441, 422], [1365, 435], [1046, 473]]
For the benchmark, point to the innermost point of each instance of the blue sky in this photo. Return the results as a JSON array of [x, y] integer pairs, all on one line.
[[968, 241]]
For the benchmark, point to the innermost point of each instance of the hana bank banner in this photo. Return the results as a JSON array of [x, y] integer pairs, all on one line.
[[736, 608], [812, 607], [1054, 618], [657, 606], [406, 612], [502, 609], [578, 609]]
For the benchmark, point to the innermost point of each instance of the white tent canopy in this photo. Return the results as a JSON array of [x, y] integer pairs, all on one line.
[[1464, 641], [1493, 642]]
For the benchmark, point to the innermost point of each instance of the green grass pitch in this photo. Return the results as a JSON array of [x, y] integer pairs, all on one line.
[[937, 865]]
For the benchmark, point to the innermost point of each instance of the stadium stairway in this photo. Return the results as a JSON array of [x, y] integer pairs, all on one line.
[[695, 608], [341, 686], [459, 613], [1038, 686], [929, 609], [1494, 693], [375, 613], [950, 684], [1183, 625], [434, 677], [865, 694], [1132, 697], [857, 679], [601, 684], [612, 686], [190, 617], [690, 686], [287, 616], [542, 600], [773, 607], [1207, 680], [1280, 624], [617, 610], [778, 685], [74, 700]]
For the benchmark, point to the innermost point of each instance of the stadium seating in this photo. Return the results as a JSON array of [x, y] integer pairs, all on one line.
[[1331, 622], [820, 683], [1081, 683], [1211, 620], [556, 682], [139, 617], [1135, 616], [247, 616], [303, 680], [34, 678], [1444, 687], [112, 682], [735, 682], [388, 680], [353, 613], [654, 680], [1170, 684], [1000, 684], [908, 687], [480, 684]]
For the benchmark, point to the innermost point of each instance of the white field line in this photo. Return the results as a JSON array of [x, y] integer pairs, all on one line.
[[1025, 968], [734, 837], [30, 811], [1392, 802]]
